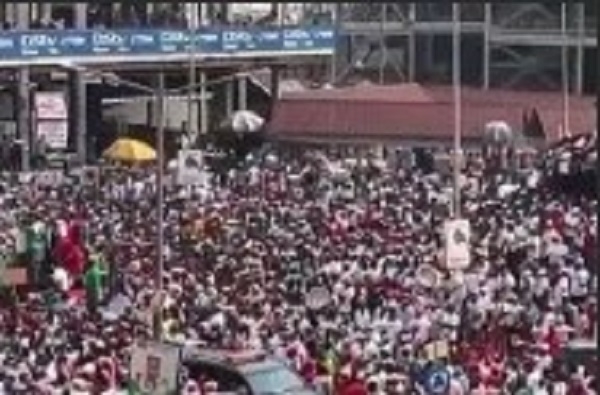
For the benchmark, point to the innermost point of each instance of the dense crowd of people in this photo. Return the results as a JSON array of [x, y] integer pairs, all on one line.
[[244, 251], [175, 15]]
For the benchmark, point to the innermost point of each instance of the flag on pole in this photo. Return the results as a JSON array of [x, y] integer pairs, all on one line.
[[94, 280]]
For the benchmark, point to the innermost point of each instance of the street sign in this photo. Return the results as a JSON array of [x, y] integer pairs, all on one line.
[[437, 381]]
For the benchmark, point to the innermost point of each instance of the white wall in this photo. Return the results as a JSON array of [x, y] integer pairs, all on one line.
[[138, 111]]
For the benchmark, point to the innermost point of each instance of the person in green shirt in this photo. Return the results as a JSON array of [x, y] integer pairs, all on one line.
[[36, 245], [93, 281]]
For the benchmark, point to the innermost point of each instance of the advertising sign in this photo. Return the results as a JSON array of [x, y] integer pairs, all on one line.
[[52, 115], [155, 366], [457, 237], [55, 133], [44, 46], [190, 167], [51, 106]]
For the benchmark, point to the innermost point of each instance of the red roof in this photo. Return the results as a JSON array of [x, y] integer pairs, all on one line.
[[411, 111]]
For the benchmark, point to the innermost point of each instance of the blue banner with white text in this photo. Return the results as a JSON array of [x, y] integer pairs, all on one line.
[[210, 42]]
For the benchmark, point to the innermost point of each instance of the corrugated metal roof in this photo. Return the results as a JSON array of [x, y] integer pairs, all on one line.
[[404, 93], [413, 111]]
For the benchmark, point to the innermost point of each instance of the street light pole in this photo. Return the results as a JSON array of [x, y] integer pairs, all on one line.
[[159, 95], [456, 83], [160, 143], [193, 27], [564, 50]]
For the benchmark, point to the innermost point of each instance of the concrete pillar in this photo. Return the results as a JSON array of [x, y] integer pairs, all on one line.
[[486, 45], [23, 99], [229, 98], [204, 127], [242, 93], [78, 100]]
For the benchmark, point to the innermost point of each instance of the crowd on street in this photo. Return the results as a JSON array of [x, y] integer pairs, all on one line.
[[243, 253]]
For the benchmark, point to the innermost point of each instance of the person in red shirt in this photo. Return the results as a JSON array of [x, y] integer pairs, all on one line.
[[348, 383], [71, 257]]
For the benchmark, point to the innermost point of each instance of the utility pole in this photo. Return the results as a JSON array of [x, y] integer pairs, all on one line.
[[160, 143], [456, 83], [192, 122]]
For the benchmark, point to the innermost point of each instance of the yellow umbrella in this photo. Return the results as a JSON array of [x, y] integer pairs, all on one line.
[[130, 150]]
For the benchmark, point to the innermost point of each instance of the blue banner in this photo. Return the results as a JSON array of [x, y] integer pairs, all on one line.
[[210, 42]]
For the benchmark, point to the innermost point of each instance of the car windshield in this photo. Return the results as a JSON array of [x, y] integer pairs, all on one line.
[[274, 380]]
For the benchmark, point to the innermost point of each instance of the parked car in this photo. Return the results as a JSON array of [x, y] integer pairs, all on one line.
[[245, 372]]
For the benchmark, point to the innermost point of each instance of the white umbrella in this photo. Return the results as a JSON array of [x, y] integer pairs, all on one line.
[[245, 121], [499, 132]]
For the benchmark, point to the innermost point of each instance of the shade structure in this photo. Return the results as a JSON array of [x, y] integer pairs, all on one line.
[[245, 121], [130, 150]]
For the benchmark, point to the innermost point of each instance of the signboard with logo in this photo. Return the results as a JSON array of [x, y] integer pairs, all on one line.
[[100, 45], [52, 116], [190, 165], [154, 367], [457, 239], [437, 381]]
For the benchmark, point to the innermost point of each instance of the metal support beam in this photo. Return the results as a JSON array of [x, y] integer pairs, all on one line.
[[524, 11], [204, 108], [79, 102], [229, 98], [412, 42], [242, 93], [580, 55], [274, 83], [23, 99], [486, 45], [456, 84], [201, 108], [566, 83], [204, 19], [384, 50], [337, 9], [530, 66], [192, 122], [160, 237], [226, 12], [280, 12]]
